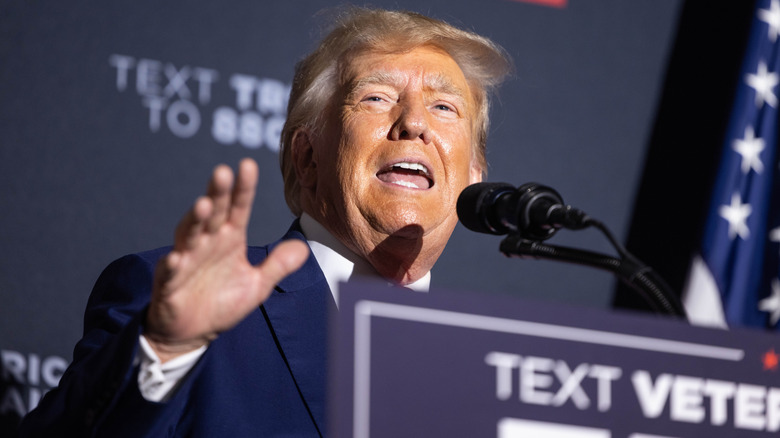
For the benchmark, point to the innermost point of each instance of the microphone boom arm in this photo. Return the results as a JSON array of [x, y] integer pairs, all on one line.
[[628, 269]]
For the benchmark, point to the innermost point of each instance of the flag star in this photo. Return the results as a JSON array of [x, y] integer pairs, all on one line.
[[772, 18], [774, 235], [764, 83], [771, 304], [736, 214], [750, 148]]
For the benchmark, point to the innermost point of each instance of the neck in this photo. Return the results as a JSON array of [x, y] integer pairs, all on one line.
[[401, 259]]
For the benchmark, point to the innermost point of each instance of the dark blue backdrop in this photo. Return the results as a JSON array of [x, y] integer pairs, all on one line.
[[112, 115]]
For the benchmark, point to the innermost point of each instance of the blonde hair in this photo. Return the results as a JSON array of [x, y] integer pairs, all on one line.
[[359, 30]]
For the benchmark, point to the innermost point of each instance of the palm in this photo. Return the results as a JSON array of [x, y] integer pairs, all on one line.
[[206, 284]]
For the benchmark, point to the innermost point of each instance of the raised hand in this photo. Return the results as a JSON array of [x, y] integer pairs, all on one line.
[[206, 285]]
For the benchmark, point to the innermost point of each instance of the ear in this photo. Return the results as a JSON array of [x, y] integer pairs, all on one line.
[[303, 159], [475, 173]]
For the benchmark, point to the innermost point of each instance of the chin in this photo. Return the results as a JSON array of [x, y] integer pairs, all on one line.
[[409, 223], [409, 232]]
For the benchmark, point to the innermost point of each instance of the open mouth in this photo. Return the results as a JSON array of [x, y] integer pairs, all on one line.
[[407, 174]]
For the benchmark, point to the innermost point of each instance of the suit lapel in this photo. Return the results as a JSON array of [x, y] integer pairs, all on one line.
[[298, 314]]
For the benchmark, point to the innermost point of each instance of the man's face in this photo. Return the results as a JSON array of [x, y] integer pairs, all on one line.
[[397, 151]]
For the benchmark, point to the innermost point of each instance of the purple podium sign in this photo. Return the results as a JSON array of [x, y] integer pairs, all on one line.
[[407, 364]]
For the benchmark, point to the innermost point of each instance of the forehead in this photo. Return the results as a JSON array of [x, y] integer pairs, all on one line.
[[433, 67]]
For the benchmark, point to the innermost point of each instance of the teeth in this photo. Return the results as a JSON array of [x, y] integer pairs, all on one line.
[[406, 184], [412, 166]]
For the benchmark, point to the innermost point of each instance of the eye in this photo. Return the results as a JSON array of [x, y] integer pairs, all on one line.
[[446, 109], [375, 101], [377, 97]]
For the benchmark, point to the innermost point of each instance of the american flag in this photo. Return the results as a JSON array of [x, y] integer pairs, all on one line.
[[734, 279]]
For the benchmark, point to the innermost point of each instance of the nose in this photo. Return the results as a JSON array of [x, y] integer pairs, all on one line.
[[412, 123]]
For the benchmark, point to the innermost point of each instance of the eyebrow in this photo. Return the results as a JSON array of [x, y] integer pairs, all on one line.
[[436, 82]]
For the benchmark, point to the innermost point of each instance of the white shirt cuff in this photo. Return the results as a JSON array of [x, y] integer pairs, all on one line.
[[157, 380]]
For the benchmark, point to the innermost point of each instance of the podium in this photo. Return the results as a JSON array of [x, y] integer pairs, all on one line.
[[409, 364]]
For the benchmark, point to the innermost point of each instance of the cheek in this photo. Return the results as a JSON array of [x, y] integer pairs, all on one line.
[[349, 158], [363, 125], [359, 139], [458, 161], [353, 169]]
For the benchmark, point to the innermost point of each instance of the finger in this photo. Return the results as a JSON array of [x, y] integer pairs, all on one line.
[[285, 259], [192, 224], [164, 271], [244, 193], [219, 192]]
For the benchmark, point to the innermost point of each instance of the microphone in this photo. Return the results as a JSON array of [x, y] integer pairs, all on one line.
[[533, 211]]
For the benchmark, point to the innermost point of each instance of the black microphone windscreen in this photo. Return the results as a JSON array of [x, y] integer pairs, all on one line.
[[475, 204]]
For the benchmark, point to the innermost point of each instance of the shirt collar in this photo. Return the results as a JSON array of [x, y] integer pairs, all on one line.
[[338, 263]]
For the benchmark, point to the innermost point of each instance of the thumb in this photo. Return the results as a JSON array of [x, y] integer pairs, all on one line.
[[285, 259]]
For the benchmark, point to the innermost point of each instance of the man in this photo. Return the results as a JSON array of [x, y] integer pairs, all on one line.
[[387, 124]]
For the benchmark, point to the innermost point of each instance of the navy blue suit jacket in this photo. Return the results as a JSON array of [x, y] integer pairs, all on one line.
[[265, 377]]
